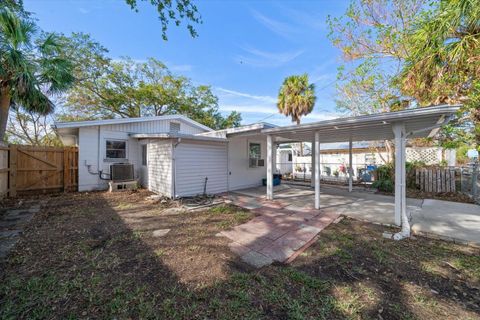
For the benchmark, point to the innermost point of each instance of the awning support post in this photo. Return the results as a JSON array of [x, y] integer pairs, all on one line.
[[312, 161], [317, 170], [269, 167], [350, 169], [401, 217]]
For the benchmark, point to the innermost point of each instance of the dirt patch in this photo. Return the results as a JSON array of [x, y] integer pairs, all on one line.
[[447, 196], [95, 255]]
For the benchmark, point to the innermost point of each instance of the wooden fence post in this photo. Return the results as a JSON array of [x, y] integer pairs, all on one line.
[[66, 170], [12, 181]]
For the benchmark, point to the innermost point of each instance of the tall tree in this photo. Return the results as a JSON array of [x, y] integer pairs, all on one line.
[[296, 97], [32, 67], [444, 61], [26, 127], [176, 11], [127, 88], [372, 38]]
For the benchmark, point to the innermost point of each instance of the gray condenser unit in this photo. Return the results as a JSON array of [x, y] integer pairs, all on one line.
[[121, 172]]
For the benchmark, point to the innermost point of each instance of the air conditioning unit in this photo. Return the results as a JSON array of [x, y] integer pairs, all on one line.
[[121, 172]]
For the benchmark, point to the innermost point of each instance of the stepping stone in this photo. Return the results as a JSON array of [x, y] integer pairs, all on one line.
[[6, 246], [161, 232], [6, 224], [10, 233], [277, 253], [256, 259], [238, 248]]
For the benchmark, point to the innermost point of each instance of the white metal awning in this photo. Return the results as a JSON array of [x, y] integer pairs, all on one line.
[[399, 125], [420, 122]]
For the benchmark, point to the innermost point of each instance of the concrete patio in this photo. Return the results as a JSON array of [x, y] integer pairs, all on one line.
[[442, 219]]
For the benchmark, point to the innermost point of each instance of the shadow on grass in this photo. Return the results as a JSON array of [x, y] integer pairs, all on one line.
[[94, 256]]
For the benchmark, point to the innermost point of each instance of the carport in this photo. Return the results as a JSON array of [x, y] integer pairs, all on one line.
[[399, 126]]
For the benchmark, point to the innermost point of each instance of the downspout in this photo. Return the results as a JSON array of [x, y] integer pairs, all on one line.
[[174, 163], [228, 166], [98, 153]]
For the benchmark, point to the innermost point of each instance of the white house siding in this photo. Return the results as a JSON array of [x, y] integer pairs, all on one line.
[[157, 126], [197, 160], [159, 154], [88, 156], [240, 174], [92, 144], [92, 158]]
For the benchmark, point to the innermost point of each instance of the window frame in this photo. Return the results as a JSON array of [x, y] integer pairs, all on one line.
[[249, 153], [174, 123], [112, 159], [144, 155]]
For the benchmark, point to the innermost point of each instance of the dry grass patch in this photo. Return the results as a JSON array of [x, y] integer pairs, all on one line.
[[94, 255]]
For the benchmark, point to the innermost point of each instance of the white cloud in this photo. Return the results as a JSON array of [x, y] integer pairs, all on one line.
[[260, 58], [83, 10], [280, 28], [255, 108], [306, 19], [180, 67], [266, 99]]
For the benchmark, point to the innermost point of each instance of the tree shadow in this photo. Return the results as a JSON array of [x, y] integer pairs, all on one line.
[[94, 256]]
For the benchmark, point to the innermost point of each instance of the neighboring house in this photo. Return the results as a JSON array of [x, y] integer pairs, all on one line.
[[334, 159], [172, 155]]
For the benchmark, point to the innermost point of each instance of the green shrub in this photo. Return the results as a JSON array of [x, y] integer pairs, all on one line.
[[385, 185]]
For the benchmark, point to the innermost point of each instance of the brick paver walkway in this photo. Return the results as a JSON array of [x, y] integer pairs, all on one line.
[[276, 234]]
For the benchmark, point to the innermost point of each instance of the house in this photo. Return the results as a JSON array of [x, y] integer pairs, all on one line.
[[334, 158], [176, 156], [172, 155]]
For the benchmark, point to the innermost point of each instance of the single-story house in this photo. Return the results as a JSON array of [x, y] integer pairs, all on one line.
[[176, 156], [172, 155]]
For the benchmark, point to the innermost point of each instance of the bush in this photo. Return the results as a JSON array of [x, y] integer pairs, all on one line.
[[385, 185], [385, 175]]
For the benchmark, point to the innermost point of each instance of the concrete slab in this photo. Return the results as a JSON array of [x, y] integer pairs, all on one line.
[[446, 219], [458, 221]]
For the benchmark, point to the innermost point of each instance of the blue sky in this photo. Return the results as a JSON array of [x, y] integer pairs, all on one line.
[[244, 50]]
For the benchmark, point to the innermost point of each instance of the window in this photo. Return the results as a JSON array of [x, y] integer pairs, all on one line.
[[116, 149], [289, 157], [174, 127], [254, 154], [144, 154]]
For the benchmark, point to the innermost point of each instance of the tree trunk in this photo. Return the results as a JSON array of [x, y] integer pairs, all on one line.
[[4, 108], [301, 143]]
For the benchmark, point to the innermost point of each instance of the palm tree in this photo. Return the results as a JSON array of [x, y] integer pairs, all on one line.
[[31, 68], [296, 98]]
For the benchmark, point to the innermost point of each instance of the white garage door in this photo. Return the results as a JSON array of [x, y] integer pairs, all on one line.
[[200, 162]]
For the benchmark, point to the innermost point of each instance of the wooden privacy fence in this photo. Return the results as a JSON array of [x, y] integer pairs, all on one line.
[[34, 170], [435, 180]]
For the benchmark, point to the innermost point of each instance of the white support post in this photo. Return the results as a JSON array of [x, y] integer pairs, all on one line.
[[317, 170], [312, 161], [269, 167], [350, 168], [274, 158], [401, 217]]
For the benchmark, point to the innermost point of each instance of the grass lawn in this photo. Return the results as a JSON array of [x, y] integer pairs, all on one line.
[[94, 255]]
